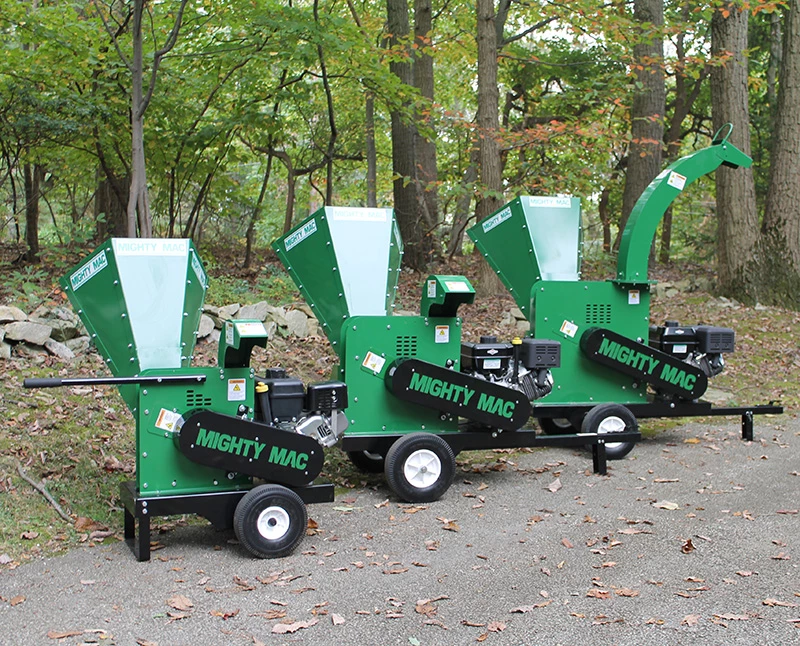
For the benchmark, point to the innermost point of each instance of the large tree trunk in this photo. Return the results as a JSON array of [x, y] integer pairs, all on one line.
[[737, 218], [111, 218], [416, 238], [780, 278], [425, 149], [647, 111], [138, 202], [490, 165]]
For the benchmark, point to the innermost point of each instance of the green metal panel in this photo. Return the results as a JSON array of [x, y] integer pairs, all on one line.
[[371, 344], [161, 469], [563, 311], [531, 238], [634, 249], [141, 302], [345, 262]]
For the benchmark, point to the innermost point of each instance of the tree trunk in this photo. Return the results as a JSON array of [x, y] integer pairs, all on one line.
[[251, 228], [737, 219], [425, 149], [138, 202], [780, 278], [33, 176], [490, 165], [649, 105], [372, 153], [110, 215], [415, 234]]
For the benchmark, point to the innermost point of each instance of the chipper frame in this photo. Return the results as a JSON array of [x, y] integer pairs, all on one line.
[[242, 450], [417, 394], [615, 366]]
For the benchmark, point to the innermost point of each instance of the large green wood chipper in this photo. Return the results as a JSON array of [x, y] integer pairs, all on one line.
[[417, 394], [615, 366], [240, 449]]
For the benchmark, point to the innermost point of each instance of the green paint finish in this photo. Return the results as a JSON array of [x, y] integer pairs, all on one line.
[[442, 295], [378, 341], [161, 469], [563, 311], [442, 389], [345, 262], [141, 302], [530, 239], [638, 235]]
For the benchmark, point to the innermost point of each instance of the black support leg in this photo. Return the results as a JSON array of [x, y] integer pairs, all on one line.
[[599, 458], [747, 425]]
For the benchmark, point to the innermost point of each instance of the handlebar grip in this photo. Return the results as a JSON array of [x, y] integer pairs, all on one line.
[[42, 382]]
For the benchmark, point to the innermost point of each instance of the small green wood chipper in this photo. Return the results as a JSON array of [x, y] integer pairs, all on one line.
[[417, 394], [240, 449], [615, 367]]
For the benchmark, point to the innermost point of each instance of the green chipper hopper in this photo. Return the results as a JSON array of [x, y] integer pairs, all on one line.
[[615, 366], [239, 449], [418, 394]]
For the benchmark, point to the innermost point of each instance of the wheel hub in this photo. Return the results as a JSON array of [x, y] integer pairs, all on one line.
[[273, 523], [612, 424], [422, 468]]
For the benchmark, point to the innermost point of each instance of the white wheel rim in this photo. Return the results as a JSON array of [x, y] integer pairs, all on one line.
[[273, 523], [612, 424], [422, 468]]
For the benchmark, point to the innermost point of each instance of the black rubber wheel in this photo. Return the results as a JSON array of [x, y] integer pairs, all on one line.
[[611, 418], [420, 467], [270, 521], [557, 426], [367, 461]]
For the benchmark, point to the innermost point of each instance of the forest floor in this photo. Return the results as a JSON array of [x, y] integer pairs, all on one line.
[[79, 442]]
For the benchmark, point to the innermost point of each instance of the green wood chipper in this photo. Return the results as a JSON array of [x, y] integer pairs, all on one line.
[[241, 449], [418, 395], [615, 366]]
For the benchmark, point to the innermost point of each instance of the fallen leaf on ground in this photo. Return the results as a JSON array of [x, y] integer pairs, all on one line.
[[282, 629], [179, 602], [336, 620], [566, 543], [555, 485], [690, 620], [56, 634], [627, 592], [598, 594], [524, 609], [774, 602], [666, 504]]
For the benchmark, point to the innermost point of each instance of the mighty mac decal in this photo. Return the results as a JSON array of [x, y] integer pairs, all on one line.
[[251, 448], [459, 394], [644, 363]]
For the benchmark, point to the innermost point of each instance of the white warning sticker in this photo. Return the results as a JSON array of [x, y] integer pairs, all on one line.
[[442, 334], [634, 297], [457, 285], [236, 390], [676, 180], [373, 362], [569, 328], [251, 328], [167, 420], [431, 289]]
